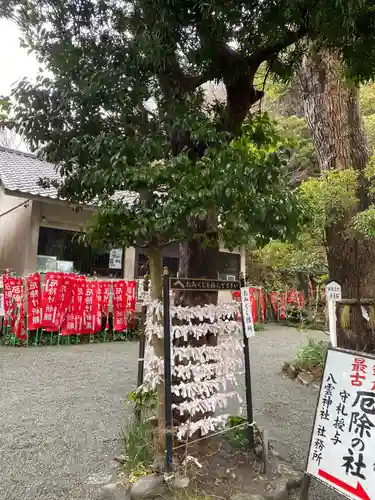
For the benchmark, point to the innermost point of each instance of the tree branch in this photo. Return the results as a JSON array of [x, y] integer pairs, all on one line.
[[269, 52]]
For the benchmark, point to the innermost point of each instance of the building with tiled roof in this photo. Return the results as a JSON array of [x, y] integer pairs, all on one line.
[[38, 230], [20, 173]]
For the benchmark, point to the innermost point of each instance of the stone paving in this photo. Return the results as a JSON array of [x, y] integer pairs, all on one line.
[[284, 405], [62, 409], [60, 418]]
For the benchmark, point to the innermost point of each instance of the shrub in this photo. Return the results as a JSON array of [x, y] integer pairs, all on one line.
[[311, 356], [137, 438]]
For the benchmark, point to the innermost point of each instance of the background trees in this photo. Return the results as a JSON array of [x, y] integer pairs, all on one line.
[[122, 108], [339, 201], [122, 105]]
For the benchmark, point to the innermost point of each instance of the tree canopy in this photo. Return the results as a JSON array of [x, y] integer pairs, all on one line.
[[120, 106], [326, 198]]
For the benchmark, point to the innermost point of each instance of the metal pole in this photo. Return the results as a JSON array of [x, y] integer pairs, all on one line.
[[305, 487], [141, 353], [142, 340], [249, 400], [167, 372]]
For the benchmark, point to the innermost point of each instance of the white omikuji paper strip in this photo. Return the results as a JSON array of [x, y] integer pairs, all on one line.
[[204, 388], [230, 347], [204, 425], [192, 370], [209, 312], [203, 371], [196, 331], [206, 405]]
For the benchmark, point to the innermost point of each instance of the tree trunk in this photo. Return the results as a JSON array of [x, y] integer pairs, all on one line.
[[154, 258], [334, 118], [198, 260], [199, 256]]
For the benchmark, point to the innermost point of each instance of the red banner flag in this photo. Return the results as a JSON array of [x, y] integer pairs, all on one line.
[[283, 301], [79, 303], [68, 326], [99, 304], [50, 301], [74, 316], [14, 305], [131, 299], [65, 297], [119, 306], [274, 300], [311, 291], [34, 302], [9, 307], [292, 297], [254, 305], [104, 292], [90, 307], [262, 301]]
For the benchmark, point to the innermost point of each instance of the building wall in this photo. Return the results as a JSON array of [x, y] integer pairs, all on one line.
[[57, 216], [19, 233], [32, 241], [19, 230], [61, 216], [14, 232]]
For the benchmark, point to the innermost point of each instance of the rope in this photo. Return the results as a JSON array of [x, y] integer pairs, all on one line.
[[245, 424]]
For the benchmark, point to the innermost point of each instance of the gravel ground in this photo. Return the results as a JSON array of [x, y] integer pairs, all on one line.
[[62, 408], [281, 404], [60, 417]]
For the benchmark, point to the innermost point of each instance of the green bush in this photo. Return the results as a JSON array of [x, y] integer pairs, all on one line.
[[311, 356], [137, 438], [145, 401], [296, 314]]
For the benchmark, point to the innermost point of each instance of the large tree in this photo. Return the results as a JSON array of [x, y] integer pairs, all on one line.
[[120, 73], [121, 108], [321, 193], [333, 113]]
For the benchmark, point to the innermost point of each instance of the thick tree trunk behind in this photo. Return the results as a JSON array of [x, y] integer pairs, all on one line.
[[334, 117], [199, 260]]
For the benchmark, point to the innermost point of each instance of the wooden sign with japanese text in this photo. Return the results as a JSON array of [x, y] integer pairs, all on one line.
[[342, 449], [247, 312], [203, 285], [333, 291]]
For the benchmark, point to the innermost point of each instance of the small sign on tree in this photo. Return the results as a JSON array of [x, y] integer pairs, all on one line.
[[333, 291]]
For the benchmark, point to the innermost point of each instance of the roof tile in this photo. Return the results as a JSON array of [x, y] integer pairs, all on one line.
[[21, 172]]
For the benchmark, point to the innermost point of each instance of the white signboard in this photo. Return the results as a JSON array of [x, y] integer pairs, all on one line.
[[45, 263], [342, 450], [115, 258], [333, 291], [247, 312], [65, 266]]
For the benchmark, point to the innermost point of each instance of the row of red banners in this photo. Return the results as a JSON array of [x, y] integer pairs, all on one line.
[[278, 301], [68, 304]]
